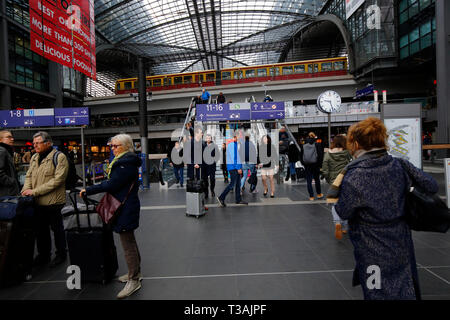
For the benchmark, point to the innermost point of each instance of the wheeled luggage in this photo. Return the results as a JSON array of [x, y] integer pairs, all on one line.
[[300, 173], [16, 239], [195, 198], [90, 243]]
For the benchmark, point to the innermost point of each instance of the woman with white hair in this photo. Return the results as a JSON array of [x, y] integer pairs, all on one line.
[[123, 174]]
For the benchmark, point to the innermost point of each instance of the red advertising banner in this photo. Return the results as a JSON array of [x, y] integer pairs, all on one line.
[[62, 29]]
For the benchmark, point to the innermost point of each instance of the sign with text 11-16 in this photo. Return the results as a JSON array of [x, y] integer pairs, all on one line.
[[64, 31]]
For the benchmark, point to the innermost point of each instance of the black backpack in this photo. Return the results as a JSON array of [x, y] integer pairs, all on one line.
[[72, 177]]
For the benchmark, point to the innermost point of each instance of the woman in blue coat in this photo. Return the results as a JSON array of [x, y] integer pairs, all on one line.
[[122, 172], [372, 198]]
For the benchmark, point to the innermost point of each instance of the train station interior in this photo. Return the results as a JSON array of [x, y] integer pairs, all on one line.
[[140, 69]]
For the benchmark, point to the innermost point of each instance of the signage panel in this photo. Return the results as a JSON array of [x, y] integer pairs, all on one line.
[[27, 118], [71, 116], [267, 110], [223, 112]]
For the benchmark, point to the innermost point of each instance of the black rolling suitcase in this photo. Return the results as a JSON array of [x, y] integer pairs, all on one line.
[[90, 243], [16, 239]]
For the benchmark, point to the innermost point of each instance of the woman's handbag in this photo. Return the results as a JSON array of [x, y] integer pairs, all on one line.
[[425, 211], [109, 207]]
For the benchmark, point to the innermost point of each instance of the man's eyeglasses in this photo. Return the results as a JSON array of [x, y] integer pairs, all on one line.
[[115, 146], [39, 142]]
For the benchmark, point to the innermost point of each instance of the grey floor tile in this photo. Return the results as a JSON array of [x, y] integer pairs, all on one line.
[[432, 257], [268, 287], [432, 285], [300, 261], [345, 279], [164, 266], [321, 286], [252, 246], [18, 292], [288, 244], [216, 248], [160, 289], [55, 291], [210, 288], [257, 263], [213, 265], [442, 272]]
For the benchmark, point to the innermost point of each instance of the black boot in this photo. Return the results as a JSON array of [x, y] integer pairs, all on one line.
[[287, 177], [293, 177]]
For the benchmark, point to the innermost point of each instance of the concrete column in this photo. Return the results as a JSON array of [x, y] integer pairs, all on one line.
[[443, 70], [56, 83], [5, 90], [143, 124]]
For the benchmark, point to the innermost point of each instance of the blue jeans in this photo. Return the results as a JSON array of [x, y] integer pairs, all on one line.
[[292, 166], [313, 172], [245, 168], [234, 183], [179, 173]]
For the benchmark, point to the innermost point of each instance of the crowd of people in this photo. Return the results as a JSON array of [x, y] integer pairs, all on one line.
[[366, 194]]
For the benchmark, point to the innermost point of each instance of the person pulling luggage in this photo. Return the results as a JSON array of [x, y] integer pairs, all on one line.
[[122, 172], [46, 183]]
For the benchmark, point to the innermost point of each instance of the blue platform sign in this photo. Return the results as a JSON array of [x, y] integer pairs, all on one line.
[[364, 92], [267, 110], [27, 118], [71, 116], [223, 112]]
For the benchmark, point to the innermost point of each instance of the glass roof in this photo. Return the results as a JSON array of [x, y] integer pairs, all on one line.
[[188, 35]]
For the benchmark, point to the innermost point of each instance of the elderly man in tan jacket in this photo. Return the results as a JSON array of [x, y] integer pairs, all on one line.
[[46, 183]]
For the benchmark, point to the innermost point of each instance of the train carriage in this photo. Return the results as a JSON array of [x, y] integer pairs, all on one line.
[[262, 73]]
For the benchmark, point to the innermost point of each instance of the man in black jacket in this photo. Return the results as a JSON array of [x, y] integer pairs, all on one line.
[[9, 185], [311, 156], [294, 156]]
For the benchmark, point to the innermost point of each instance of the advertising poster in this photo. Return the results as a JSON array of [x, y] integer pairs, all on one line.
[[64, 31], [404, 139]]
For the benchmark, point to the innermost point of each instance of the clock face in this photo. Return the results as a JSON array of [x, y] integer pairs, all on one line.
[[329, 101]]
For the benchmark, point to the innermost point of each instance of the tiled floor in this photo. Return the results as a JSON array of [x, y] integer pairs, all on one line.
[[281, 248]]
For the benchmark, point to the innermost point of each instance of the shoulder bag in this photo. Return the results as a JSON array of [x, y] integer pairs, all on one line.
[[109, 207], [425, 211]]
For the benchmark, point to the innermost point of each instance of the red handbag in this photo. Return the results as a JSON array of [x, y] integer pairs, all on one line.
[[109, 207]]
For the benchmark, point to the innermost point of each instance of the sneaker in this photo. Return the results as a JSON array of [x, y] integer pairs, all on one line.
[[338, 231], [124, 278], [58, 260], [242, 202], [221, 202], [255, 191], [311, 198], [320, 196], [131, 287]]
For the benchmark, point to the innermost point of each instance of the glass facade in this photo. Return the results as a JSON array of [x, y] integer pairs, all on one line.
[[369, 43], [26, 67], [416, 34]]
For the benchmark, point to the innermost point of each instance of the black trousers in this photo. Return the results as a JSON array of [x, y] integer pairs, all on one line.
[[211, 173], [46, 218]]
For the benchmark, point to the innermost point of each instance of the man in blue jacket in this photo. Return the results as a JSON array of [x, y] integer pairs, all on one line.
[[234, 166], [205, 96]]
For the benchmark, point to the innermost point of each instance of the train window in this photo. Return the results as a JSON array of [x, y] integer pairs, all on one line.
[[187, 79], [226, 75], [262, 72], [339, 65], [316, 67], [250, 73], [299, 68], [149, 83], [238, 74], [157, 82], [136, 84], [177, 80], [167, 81], [128, 85], [287, 70], [274, 71], [210, 77], [327, 66], [311, 69]]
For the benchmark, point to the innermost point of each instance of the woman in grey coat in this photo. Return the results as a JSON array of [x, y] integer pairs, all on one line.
[[372, 198], [9, 185]]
